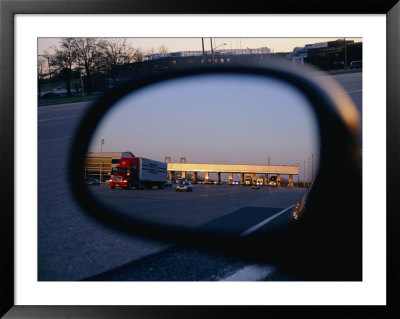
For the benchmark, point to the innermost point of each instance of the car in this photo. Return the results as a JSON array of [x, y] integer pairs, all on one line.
[[184, 187], [256, 186], [92, 181], [167, 184], [235, 183], [60, 91], [356, 65]]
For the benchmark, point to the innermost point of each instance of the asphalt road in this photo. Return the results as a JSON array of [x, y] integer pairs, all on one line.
[[194, 209], [72, 246]]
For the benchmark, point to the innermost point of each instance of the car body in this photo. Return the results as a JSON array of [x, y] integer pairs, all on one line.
[[92, 181], [235, 183], [356, 65], [184, 186]]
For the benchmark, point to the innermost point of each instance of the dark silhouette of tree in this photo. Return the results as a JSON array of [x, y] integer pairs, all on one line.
[[89, 55], [41, 72], [116, 53], [163, 49], [64, 58]]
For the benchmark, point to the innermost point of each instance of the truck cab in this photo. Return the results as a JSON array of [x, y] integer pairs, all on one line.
[[123, 175]]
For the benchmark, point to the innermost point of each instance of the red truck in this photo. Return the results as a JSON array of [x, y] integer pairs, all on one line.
[[138, 172]]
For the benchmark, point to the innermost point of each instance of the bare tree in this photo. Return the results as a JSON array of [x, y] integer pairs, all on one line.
[[163, 49], [117, 53], [89, 55], [41, 72], [150, 51], [64, 59]]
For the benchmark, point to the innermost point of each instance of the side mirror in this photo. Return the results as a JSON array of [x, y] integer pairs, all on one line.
[[320, 232]]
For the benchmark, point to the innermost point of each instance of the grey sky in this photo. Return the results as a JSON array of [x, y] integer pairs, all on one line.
[[195, 44], [213, 119]]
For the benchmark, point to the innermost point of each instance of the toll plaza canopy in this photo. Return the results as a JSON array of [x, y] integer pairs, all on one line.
[[234, 168]]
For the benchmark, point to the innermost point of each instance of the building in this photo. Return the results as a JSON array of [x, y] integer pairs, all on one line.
[[99, 165], [331, 55]]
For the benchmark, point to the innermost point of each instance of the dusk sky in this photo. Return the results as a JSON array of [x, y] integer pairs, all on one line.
[[213, 119], [194, 44]]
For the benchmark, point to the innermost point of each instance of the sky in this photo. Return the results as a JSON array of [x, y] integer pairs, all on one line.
[[213, 119], [195, 44]]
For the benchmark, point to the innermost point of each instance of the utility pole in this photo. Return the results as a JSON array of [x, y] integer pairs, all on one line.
[[202, 45], [304, 180], [101, 159], [308, 175], [51, 83], [212, 51], [80, 75], [312, 168], [298, 175], [269, 161], [48, 65], [345, 54]]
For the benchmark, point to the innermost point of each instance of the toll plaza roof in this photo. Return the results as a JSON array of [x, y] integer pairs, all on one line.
[[234, 168]]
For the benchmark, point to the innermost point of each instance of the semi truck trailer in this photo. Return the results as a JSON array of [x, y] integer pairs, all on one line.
[[138, 172]]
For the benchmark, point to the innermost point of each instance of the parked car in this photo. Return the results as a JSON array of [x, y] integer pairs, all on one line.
[[184, 187], [356, 65], [92, 181]]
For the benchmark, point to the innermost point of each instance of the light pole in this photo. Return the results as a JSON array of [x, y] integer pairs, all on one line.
[[219, 46], [215, 49], [202, 45], [120, 64], [298, 175], [308, 175], [101, 159], [312, 168], [48, 64], [80, 75], [212, 51]]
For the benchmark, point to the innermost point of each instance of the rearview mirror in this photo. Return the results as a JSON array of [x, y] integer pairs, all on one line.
[[229, 120]]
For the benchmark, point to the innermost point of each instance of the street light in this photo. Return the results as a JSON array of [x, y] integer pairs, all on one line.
[[48, 64], [80, 75], [80, 71], [120, 64], [219, 46], [101, 145], [101, 159], [298, 175], [312, 168]]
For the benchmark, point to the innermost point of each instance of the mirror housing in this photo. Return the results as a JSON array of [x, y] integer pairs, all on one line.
[[325, 243]]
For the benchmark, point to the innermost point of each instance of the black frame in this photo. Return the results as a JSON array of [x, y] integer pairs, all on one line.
[[10, 7]]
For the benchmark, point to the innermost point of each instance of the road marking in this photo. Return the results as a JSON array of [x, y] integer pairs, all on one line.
[[259, 225], [251, 273], [54, 118]]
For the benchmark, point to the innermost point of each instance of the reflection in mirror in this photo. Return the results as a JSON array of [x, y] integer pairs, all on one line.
[[223, 152]]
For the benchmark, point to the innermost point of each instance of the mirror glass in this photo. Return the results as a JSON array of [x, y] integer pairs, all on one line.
[[224, 152]]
